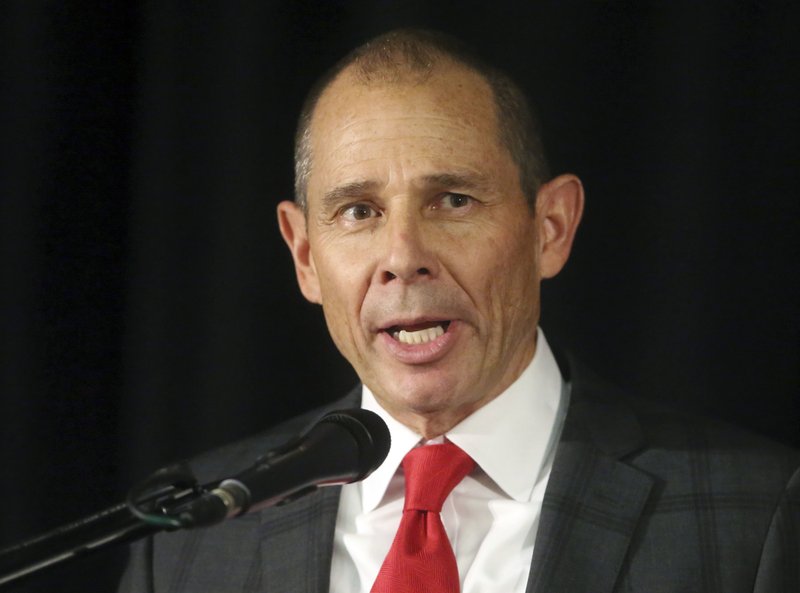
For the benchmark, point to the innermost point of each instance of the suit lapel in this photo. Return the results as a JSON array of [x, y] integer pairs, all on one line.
[[593, 500], [297, 543], [296, 539]]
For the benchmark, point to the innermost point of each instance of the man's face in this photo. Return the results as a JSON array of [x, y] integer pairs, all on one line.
[[421, 247]]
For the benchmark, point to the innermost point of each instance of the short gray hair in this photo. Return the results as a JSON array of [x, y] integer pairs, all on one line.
[[397, 54]]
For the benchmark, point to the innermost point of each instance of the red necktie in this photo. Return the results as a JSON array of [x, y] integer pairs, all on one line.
[[421, 559]]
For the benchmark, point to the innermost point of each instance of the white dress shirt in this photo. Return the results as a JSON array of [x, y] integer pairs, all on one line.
[[491, 517]]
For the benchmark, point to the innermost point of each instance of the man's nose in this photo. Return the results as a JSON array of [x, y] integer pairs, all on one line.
[[407, 255]]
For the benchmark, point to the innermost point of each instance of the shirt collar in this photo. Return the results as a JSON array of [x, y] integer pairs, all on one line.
[[510, 432]]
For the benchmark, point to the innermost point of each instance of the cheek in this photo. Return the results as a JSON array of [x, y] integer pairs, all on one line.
[[511, 281], [340, 294], [340, 268], [342, 290], [342, 325], [490, 264]]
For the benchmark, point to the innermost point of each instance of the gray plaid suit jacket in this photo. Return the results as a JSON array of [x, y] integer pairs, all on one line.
[[640, 498]]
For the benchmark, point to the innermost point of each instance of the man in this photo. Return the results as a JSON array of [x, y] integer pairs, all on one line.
[[423, 223]]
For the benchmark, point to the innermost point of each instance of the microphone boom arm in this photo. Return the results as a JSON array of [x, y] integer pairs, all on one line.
[[170, 498]]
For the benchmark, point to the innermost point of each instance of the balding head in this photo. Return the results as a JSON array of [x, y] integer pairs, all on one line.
[[411, 57]]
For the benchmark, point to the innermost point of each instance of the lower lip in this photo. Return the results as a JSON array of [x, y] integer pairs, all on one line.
[[422, 353]]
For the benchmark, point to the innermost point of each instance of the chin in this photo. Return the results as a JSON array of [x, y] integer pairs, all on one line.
[[424, 396]]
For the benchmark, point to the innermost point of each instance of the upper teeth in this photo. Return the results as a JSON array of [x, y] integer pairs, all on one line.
[[418, 337]]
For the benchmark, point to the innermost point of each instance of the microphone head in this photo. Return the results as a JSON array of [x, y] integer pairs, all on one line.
[[370, 433]]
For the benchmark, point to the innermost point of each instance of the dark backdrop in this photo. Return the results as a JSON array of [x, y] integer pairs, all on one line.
[[148, 307]]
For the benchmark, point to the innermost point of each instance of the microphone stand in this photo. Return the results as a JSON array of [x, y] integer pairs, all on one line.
[[122, 523], [171, 498]]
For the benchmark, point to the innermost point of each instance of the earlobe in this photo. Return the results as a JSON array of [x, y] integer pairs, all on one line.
[[292, 224], [559, 207]]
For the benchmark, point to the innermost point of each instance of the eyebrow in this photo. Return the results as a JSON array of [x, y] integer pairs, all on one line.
[[464, 180], [348, 190], [361, 188]]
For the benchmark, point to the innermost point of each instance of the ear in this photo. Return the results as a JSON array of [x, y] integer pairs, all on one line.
[[292, 222], [559, 206]]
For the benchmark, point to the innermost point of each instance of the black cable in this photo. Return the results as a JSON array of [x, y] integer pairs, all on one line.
[[143, 499]]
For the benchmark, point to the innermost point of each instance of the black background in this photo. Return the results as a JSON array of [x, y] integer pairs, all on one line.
[[148, 307]]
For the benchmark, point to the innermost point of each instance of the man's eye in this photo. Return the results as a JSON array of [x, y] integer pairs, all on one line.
[[452, 201], [358, 212]]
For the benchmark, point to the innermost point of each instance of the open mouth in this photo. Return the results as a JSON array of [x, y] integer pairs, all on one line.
[[420, 333]]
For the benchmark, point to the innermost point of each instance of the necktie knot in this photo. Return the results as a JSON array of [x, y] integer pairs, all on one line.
[[431, 473]]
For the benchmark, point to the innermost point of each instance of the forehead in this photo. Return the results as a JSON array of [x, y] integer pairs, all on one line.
[[447, 117], [440, 82]]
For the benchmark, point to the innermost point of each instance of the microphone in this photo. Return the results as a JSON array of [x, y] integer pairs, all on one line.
[[344, 446]]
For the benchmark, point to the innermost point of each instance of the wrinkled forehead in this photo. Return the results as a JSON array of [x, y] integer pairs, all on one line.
[[447, 117], [448, 91]]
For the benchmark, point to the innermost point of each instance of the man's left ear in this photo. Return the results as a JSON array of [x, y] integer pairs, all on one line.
[[559, 206]]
